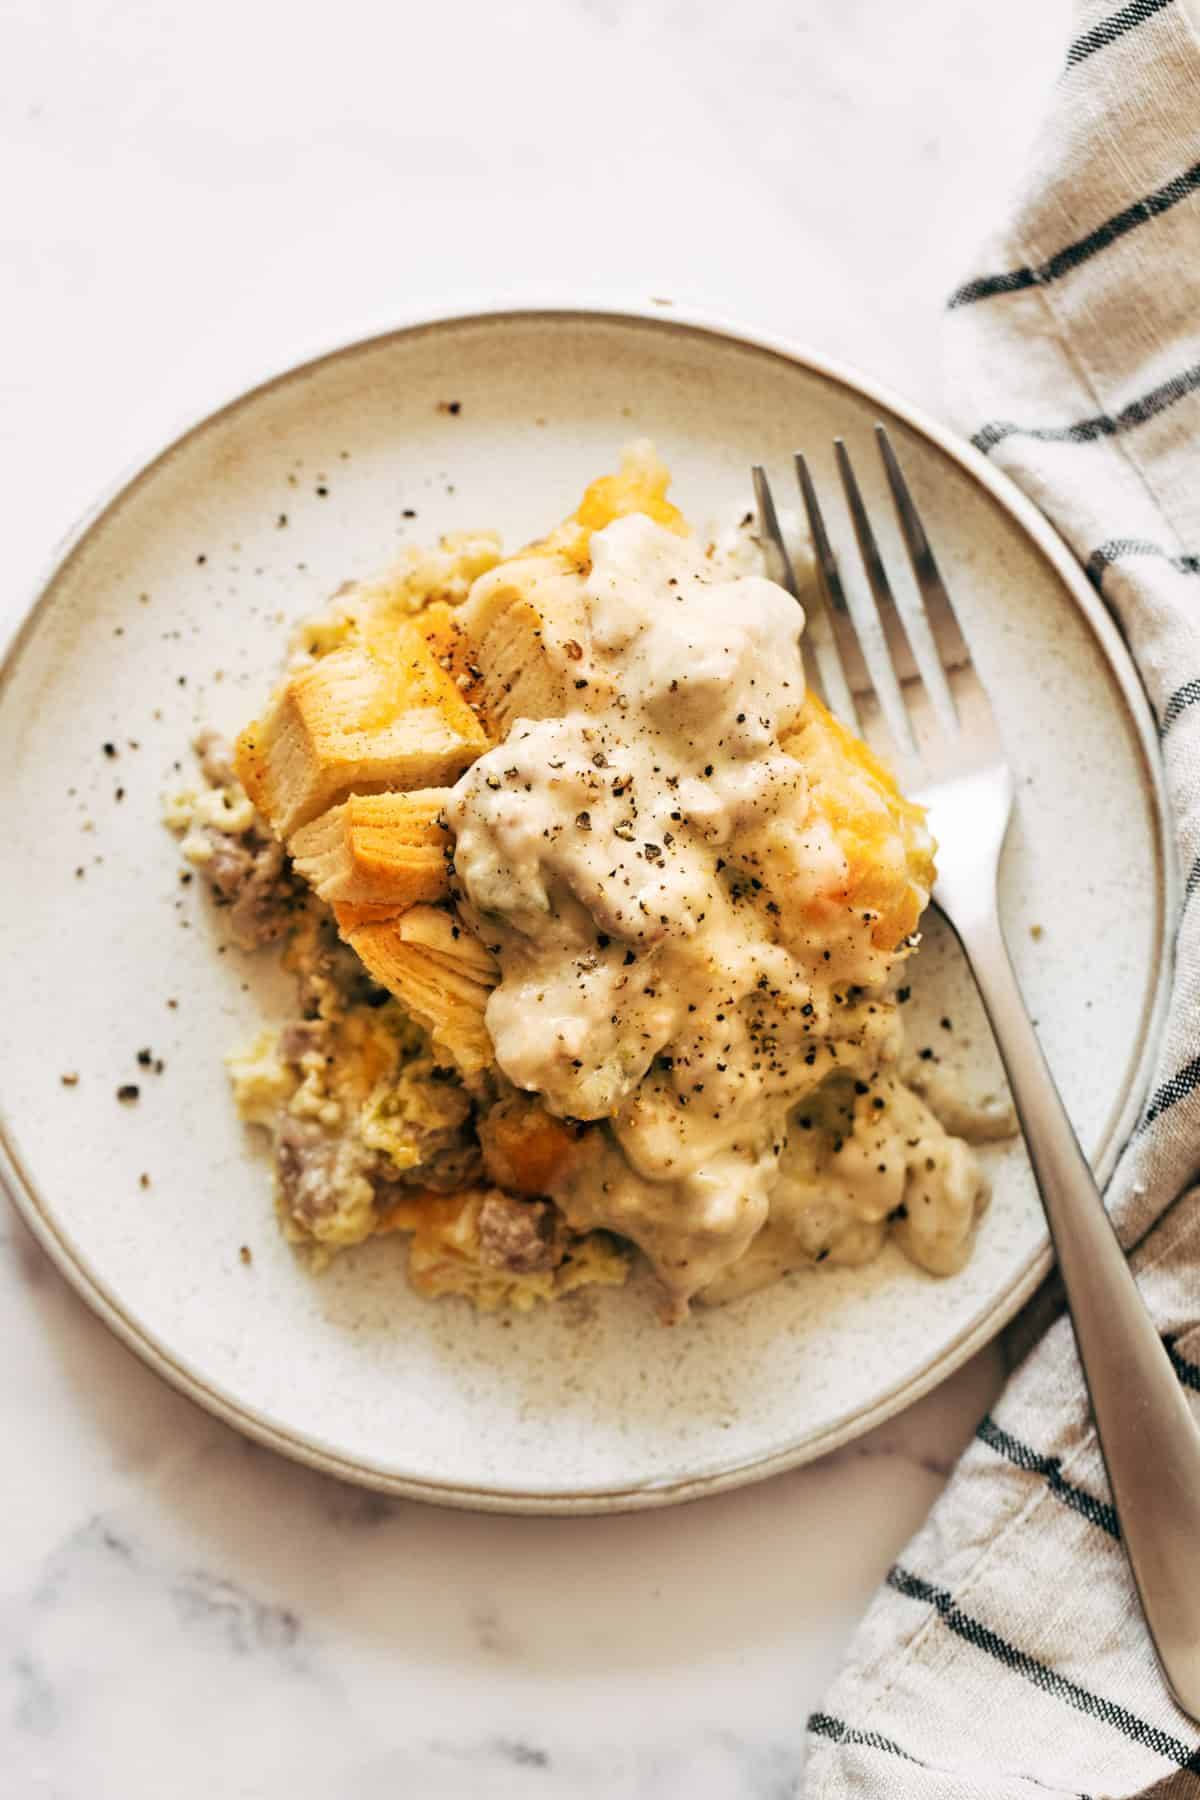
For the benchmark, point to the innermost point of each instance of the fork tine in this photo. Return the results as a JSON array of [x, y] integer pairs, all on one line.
[[769, 528], [897, 667], [772, 532], [945, 635], [839, 636]]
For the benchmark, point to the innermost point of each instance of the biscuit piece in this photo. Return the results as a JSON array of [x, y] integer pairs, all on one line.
[[378, 853], [361, 719], [438, 970]]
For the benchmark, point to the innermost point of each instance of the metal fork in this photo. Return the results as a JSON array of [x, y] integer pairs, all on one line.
[[905, 672]]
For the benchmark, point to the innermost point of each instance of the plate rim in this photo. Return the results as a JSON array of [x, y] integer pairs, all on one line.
[[673, 1489]]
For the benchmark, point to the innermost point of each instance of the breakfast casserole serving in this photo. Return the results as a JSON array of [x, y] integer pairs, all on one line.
[[594, 916]]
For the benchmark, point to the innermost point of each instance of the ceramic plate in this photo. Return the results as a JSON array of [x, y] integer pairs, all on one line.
[[169, 610]]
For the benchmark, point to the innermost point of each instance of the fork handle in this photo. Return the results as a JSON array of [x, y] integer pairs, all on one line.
[[1148, 1437]]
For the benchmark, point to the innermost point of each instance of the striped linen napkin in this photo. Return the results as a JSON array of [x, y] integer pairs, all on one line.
[[1006, 1655]]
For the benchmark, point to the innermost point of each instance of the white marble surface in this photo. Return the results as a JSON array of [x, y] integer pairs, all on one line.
[[193, 194]]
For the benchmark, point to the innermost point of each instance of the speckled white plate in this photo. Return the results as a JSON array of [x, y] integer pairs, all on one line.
[[169, 609]]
